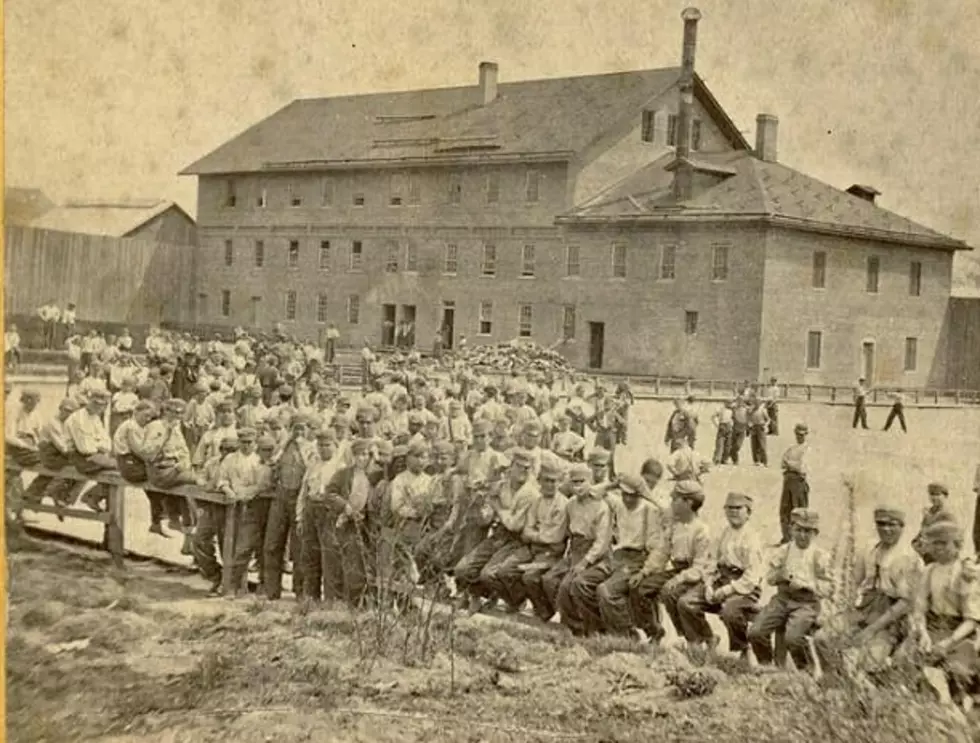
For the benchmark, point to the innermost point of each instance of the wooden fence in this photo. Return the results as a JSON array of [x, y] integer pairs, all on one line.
[[109, 279]]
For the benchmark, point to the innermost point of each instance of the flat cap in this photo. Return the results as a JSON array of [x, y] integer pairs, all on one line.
[[247, 434], [400, 450], [265, 442], [224, 406], [580, 472], [943, 530], [174, 405], [70, 404], [521, 456], [444, 447], [30, 394], [361, 446], [801, 428], [326, 434], [482, 427], [229, 442], [631, 484], [937, 488], [417, 449], [738, 500], [690, 490], [532, 427], [599, 456], [549, 468], [806, 518], [889, 514]]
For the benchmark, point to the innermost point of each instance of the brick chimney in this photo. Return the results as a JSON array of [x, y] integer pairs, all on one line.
[[766, 136], [488, 82], [868, 193], [684, 174]]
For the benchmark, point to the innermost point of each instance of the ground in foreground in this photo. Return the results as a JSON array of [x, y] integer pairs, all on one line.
[[93, 656]]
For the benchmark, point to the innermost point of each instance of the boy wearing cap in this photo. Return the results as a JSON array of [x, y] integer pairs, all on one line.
[[54, 450], [946, 610], [210, 442], [887, 577], [731, 588], [565, 442], [22, 429], [639, 529], [198, 416], [545, 534], [91, 445], [796, 489], [258, 499], [123, 404], [686, 464], [410, 505], [316, 517], [291, 464], [511, 502], [683, 559], [801, 573], [252, 413], [211, 519], [589, 540], [937, 511]]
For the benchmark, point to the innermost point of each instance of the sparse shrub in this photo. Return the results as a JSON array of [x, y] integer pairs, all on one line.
[[698, 682]]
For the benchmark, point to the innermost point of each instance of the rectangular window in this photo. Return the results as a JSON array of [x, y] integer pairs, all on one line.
[[668, 257], [451, 263], [874, 266], [411, 257], [915, 279], [391, 257], [254, 310], [321, 308], [719, 263], [292, 257], [396, 189], [259, 254], [572, 267], [489, 260], [619, 261], [819, 270], [290, 305], [527, 261], [455, 188], [648, 128], [414, 189], [493, 187], [691, 322], [814, 343], [225, 303], [696, 135], [911, 354], [358, 199], [672, 130], [568, 322], [229, 252], [353, 309], [532, 184], [326, 192], [486, 318], [262, 200], [231, 193], [356, 256], [324, 255], [295, 196], [524, 324]]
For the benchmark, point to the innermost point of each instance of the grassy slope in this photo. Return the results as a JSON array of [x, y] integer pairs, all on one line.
[[165, 665]]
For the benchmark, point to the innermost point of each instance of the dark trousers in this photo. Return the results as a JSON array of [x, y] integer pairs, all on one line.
[[860, 414], [613, 591], [646, 597], [543, 559], [796, 494], [739, 430], [723, 444], [758, 441], [281, 524], [251, 539], [976, 526], [565, 589], [772, 410], [897, 411], [210, 527], [502, 574], [736, 611], [468, 571], [794, 612], [320, 553]]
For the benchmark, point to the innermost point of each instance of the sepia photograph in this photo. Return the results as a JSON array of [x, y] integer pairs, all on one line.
[[492, 372]]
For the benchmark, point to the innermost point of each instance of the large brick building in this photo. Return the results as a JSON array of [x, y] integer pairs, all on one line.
[[550, 209]]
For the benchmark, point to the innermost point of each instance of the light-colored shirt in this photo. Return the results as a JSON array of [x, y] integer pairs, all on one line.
[[944, 590], [210, 443], [642, 528], [239, 472], [687, 544], [165, 440], [893, 571], [22, 428], [88, 434], [687, 464], [515, 503], [128, 438], [809, 568], [547, 520], [739, 548], [124, 402], [793, 459], [590, 517], [409, 494], [53, 431]]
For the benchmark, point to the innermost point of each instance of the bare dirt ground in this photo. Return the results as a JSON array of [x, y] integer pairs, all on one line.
[[145, 658]]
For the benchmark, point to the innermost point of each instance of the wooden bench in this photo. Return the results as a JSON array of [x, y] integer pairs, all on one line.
[[115, 518]]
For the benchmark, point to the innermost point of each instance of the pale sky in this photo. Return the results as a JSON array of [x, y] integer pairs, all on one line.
[[111, 98]]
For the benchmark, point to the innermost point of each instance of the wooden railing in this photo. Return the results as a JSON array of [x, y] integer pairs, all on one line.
[[114, 518]]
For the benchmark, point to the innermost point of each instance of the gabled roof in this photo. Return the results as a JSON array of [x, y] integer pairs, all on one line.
[[552, 117], [116, 219], [761, 190]]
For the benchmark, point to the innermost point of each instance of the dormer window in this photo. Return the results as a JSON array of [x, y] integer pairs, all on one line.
[[648, 129]]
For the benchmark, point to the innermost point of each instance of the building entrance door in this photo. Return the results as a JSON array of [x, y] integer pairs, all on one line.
[[448, 324], [408, 326], [597, 342], [868, 361], [387, 325]]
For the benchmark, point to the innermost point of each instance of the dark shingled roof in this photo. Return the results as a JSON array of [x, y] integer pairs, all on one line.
[[758, 189], [557, 117]]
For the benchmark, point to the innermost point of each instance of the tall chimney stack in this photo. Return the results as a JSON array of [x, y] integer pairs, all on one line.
[[488, 82], [766, 132], [684, 174]]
